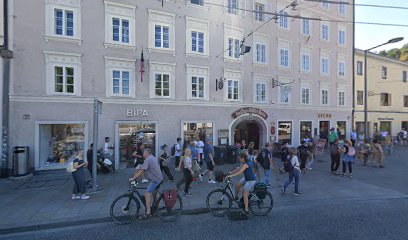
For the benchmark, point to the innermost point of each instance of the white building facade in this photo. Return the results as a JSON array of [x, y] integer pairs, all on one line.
[[296, 81]]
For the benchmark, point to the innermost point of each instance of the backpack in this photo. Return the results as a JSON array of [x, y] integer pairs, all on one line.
[[170, 198], [173, 150], [351, 152], [260, 190], [287, 165]]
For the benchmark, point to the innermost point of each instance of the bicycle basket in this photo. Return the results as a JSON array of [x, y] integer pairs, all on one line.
[[260, 190], [219, 176], [170, 198]]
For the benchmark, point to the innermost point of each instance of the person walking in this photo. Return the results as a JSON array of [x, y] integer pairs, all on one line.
[[79, 165], [333, 136], [177, 152], [312, 153], [200, 148], [366, 152], [138, 162], [353, 137], [335, 155], [284, 152], [251, 151], [187, 172], [349, 153], [294, 173], [209, 160], [266, 162], [303, 151], [377, 153], [194, 156], [163, 161]]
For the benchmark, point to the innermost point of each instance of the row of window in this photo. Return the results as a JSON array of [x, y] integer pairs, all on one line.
[[384, 71], [385, 99], [66, 80]]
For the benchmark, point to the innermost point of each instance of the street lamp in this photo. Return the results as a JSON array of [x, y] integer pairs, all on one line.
[[394, 40]]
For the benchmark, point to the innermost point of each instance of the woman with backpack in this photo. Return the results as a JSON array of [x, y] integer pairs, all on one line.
[[348, 157], [292, 166]]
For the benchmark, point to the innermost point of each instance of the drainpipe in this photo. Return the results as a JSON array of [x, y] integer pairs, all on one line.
[[7, 55], [353, 67]]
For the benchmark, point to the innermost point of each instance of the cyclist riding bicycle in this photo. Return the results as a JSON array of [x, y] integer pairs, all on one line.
[[248, 181], [152, 168]]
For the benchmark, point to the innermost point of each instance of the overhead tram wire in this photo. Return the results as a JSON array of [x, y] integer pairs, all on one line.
[[359, 4]]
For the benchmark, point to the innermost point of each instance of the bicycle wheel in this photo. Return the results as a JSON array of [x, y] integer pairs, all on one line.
[[260, 206], [169, 214], [124, 209], [219, 202]]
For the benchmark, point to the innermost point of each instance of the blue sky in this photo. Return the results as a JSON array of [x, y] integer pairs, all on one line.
[[368, 36]]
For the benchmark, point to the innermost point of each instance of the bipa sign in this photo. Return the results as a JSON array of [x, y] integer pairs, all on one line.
[[136, 113]]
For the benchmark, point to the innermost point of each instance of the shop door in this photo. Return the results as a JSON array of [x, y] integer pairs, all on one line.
[[386, 127], [324, 127], [131, 137], [248, 131]]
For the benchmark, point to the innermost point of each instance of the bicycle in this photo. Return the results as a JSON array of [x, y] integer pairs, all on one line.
[[219, 201], [125, 208]]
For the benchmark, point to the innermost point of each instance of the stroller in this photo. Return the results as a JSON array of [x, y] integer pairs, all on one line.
[[105, 164]]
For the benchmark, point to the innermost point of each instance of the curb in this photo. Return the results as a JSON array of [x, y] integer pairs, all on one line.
[[48, 226]]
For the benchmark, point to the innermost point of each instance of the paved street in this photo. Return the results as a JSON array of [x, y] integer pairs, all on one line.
[[370, 219], [371, 202]]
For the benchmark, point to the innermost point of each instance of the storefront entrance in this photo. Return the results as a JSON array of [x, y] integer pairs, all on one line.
[[130, 136], [385, 126], [324, 127], [250, 128], [248, 131]]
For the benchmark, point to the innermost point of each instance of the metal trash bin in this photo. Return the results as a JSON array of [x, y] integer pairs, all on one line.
[[21, 158], [220, 155], [232, 155]]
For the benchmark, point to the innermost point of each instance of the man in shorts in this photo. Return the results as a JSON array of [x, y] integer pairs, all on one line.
[[209, 160], [152, 168]]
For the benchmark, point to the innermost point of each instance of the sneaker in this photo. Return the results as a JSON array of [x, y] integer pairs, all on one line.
[[201, 177], [75, 197], [296, 193], [343, 174], [350, 175], [283, 190], [84, 197], [188, 194], [145, 180], [211, 181]]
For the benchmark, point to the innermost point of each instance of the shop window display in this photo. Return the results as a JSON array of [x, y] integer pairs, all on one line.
[[341, 130], [59, 143], [193, 129], [305, 130], [285, 132]]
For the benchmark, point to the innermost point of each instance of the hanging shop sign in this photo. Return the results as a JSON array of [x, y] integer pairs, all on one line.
[[250, 110], [136, 113]]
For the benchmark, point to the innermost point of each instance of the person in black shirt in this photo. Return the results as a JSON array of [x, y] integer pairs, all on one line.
[[303, 155], [163, 161], [89, 158], [284, 152]]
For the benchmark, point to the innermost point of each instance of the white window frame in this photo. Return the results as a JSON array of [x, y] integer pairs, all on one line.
[[341, 100], [324, 56], [341, 63], [359, 70], [121, 12], [322, 97], [198, 71], [303, 29], [261, 40], [322, 36], [197, 25], [162, 68], [342, 8], [305, 51], [305, 85], [60, 59], [163, 19], [305, 101], [120, 64], [260, 17], [286, 46], [285, 23], [236, 34], [288, 86], [260, 79], [341, 32], [65, 5], [324, 5], [235, 76]]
